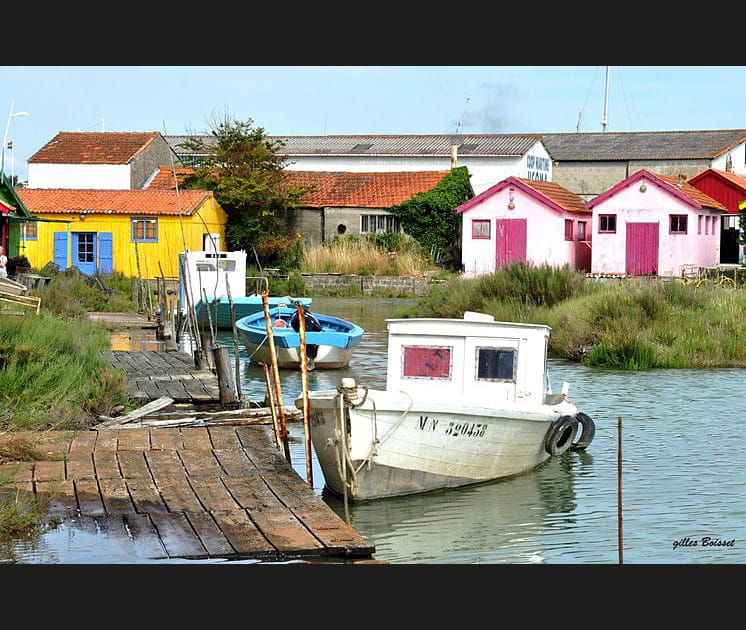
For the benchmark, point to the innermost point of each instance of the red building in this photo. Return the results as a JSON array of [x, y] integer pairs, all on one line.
[[730, 190]]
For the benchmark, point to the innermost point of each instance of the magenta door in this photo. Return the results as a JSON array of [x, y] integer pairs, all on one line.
[[642, 249], [510, 241]]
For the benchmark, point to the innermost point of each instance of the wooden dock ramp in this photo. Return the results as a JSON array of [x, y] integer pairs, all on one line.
[[188, 492]]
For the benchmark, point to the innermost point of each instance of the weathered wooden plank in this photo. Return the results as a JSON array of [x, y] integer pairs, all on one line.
[[146, 497], [106, 465], [166, 438], [212, 539], [285, 532], [196, 438], [243, 535], [89, 498], [179, 495], [106, 440], [49, 471], [235, 462], [134, 440], [58, 498], [145, 539], [155, 405], [133, 465], [164, 464], [115, 496], [83, 442], [80, 465], [213, 494], [177, 535], [252, 493], [201, 464]]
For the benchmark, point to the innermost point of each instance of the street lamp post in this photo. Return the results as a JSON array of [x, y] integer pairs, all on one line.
[[11, 115]]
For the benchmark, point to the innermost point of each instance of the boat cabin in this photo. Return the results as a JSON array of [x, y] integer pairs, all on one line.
[[212, 271], [476, 360]]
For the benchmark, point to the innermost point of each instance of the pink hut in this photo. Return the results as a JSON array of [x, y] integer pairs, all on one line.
[[526, 220], [652, 224]]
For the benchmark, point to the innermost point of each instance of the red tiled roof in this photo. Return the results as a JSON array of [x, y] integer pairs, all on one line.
[[690, 191], [558, 194], [69, 147], [123, 202], [734, 179], [340, 189], [363, 190]]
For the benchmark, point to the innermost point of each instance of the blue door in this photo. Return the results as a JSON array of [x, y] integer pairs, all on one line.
[[91, 251]]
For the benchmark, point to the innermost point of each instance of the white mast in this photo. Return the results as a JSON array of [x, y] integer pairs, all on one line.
[[605, 119]]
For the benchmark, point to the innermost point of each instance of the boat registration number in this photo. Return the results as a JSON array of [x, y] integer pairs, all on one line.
[[468, 429]]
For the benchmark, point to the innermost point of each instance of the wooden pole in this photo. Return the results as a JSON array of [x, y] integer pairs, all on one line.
[[304, 381], [226, 385], [273, 409], [236, 349], [275, 374], [619, 491]]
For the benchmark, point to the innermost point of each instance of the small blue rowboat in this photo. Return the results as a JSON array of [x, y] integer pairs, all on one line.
[[330, 341]]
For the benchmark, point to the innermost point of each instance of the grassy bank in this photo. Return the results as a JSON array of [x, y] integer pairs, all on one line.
[[633, 324]]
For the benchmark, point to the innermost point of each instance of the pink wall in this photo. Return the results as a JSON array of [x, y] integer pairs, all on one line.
[[654, 205], [545, 231]]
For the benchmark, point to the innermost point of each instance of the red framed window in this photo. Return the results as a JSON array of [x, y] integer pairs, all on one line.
[[480, 228], [607, 224], [677, 224], [568, 229]]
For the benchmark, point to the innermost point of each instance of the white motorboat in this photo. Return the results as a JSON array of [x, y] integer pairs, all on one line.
[[466, 401]]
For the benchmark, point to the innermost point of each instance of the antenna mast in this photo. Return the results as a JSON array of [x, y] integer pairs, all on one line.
[[462, 122], [605, 119]]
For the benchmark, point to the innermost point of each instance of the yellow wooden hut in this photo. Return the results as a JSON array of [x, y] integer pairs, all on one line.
[[138, 233]]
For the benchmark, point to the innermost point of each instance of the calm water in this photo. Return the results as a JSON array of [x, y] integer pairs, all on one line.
[[683, 480]]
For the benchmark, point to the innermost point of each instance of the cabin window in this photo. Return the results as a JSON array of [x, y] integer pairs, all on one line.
[[480, 228], [581, 230], [426, 362], [496, 364], [607, 224], [378, 223], [568, 229], [678, 224], [86, 248], [144, 229], [30, 231]]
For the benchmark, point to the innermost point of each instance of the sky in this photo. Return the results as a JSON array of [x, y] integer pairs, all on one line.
[[37, 102]]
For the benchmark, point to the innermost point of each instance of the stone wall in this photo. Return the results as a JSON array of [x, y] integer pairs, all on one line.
[[412, 285]]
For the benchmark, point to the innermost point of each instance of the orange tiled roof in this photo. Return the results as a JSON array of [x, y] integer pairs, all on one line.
[[363, 190], [690, 191], [69, 147], [167, 176], [558, 194], [340, 189], [122, 202]]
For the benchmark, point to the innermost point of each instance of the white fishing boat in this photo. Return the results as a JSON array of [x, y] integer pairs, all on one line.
[[466, 401], [212, 285]]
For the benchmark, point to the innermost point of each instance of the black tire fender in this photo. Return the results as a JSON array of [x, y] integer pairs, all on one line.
[[560, 435], [587, 433]]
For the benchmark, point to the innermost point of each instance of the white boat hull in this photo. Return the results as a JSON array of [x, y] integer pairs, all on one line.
[[328, 357], [397, 446]]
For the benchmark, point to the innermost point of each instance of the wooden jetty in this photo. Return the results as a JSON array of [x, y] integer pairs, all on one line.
[[193, 493], [221, 491]]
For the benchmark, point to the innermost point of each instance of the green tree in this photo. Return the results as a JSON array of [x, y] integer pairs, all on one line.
[[245, 171], [431, 217]]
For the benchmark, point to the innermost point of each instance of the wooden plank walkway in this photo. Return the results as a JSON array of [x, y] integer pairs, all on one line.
[[152, 374], [191, 492]]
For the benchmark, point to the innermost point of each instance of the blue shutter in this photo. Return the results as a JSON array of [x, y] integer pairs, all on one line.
[[60, 250], [105, 252]]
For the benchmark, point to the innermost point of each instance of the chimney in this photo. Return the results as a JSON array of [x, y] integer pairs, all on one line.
[[454, 155], [682, 178]]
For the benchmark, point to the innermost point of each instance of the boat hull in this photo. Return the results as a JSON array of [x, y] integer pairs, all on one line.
[[398, 446], [328, 357]]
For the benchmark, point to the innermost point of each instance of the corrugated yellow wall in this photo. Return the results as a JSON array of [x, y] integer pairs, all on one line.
[[154, 259]]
